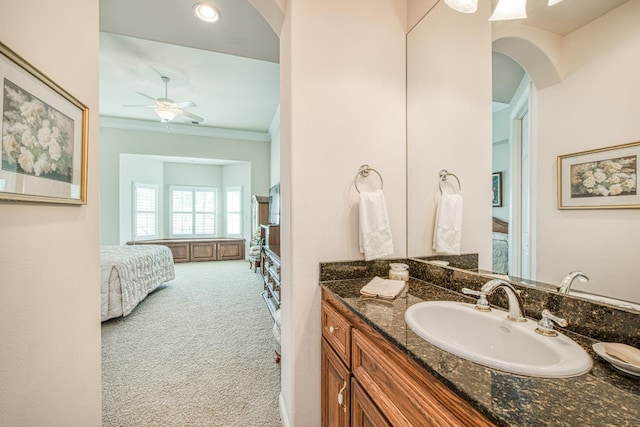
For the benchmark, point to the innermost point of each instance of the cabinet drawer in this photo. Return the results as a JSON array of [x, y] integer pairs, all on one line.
[[337, 331], [405, 395]]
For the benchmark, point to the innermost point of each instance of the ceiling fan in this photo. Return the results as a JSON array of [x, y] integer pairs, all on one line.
[[167, 108]]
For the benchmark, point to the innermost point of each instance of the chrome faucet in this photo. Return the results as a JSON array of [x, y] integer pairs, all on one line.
[[566, 283], [516, 306]]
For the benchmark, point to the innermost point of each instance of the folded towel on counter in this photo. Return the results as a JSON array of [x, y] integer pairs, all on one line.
[[383, 288], [375, 232], [447, 235]]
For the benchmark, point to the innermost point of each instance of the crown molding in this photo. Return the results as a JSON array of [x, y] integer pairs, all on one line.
[[182, 129]]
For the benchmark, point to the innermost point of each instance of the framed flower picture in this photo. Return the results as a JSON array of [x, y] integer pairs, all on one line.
[[605, 178], [44, 136], [496, 185]]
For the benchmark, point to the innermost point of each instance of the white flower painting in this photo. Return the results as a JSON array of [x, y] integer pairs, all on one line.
[[605, 178], [37, 139]]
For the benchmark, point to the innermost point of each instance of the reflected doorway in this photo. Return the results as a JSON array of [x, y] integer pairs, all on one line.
[[513, 157]]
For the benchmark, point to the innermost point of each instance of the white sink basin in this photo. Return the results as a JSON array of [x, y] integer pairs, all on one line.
[[490, 339]]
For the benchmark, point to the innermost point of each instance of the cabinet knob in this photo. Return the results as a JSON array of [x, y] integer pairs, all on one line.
[[333, 329]]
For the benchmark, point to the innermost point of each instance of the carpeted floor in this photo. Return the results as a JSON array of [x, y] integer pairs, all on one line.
[[196, 352]]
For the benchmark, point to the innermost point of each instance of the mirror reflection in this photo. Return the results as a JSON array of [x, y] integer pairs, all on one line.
[[562, 81]]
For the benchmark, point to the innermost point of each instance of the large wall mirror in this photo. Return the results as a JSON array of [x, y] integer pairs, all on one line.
[[505, 99]]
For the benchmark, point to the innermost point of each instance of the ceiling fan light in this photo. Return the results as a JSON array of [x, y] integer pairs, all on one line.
[[464, 6], [166, 114], [552, 2], [206, 12], [509, 9]]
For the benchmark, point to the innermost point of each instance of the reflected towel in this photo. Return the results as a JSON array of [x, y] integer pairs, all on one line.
[[383, 288], [375, 232], [447, 235]]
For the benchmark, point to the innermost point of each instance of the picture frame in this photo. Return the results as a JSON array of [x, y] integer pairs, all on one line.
[[496, 185], [604, 178], [43, 155]]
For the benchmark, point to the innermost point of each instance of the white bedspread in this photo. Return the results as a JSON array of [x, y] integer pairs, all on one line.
[[129, 273], [500, 253]]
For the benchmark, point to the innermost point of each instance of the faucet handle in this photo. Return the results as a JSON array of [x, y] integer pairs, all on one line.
[[545, 325], [482, 304]]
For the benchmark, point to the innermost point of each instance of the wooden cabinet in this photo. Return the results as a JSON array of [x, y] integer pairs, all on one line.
[[259, 211], [189, 250], [336, 389], [180, 251], [365, 413], [270, 269], [387, 387], [270, 266]]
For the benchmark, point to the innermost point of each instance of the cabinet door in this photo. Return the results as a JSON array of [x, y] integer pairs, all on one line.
[[336, 389], [364, 413]]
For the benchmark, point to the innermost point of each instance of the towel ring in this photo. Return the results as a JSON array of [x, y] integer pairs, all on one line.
[[364, 171], [443, 177]]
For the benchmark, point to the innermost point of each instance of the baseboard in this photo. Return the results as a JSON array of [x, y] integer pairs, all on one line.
[[283, 412]]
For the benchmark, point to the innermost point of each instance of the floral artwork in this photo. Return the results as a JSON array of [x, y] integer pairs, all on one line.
[[605, 178], [602, 178], [37, 139]]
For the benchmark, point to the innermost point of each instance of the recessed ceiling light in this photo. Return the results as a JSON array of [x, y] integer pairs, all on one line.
[[206, 12]]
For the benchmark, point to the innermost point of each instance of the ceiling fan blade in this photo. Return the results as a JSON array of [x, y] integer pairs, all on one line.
[[189, 115], [146, 96], [185, 104]]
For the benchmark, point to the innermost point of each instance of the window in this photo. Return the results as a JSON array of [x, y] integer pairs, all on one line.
[[193, 211], [234, 211], [145, 207]]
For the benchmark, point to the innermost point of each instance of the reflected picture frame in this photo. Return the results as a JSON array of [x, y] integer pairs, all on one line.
[[496, 185], [43, 156], [603, 178]]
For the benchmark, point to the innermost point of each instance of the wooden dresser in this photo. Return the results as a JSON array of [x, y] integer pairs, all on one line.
[[270, 266]]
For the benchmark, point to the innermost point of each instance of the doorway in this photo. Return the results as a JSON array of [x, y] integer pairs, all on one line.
[[513, 158]]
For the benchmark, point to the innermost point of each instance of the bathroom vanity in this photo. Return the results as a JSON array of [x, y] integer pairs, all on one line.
[[377, 371]]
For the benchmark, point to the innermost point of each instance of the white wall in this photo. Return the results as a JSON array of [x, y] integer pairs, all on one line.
[[342, 105], [449, 124], [118, 141], [595, 106], [50, 317]]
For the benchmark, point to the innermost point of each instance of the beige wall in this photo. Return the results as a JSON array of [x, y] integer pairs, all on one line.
[[342, 105], [449, 124], [50, 317], [596, 105]]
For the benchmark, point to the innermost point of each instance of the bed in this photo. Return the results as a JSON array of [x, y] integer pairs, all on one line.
[[500, 246], [129, 273]]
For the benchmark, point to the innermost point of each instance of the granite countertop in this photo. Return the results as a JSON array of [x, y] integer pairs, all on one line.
[[602, 397]]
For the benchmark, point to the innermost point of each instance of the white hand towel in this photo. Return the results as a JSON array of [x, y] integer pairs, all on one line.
[[447, 235], [383, 288], [375, 232]]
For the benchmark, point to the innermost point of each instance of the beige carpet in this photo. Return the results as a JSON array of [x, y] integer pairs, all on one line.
[[196, 352]]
